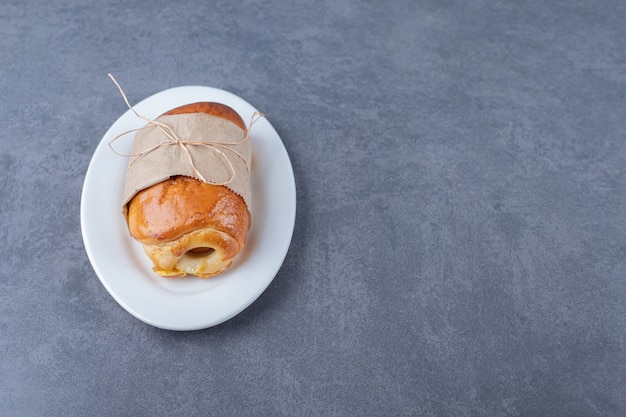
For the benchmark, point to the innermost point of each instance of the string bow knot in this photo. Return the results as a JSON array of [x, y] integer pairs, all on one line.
[[174, 140]]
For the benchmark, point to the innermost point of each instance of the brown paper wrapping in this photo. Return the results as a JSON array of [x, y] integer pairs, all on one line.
[[220, 153]]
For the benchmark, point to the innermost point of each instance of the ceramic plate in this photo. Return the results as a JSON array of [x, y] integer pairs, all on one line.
[[126, 272]]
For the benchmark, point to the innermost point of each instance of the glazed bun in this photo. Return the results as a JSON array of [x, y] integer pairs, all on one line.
[[187, 226]]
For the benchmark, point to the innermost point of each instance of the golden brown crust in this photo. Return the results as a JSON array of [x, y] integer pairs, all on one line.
[[180, 205], [182, 214], [215, 109]]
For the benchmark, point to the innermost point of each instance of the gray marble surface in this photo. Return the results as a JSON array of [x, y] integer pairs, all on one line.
[[460, 241]]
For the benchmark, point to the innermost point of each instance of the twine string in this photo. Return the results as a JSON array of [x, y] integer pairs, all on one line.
[[216, 146]]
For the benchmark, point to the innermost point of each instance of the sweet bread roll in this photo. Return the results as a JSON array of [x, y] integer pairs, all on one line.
[[186, 226]]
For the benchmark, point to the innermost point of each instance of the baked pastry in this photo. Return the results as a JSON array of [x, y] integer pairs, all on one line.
[[187, 226]]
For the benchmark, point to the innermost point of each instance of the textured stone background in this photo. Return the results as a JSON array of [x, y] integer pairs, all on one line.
[[460, 242]]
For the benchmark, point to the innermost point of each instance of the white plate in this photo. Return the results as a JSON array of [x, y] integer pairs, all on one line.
[[124, 269]]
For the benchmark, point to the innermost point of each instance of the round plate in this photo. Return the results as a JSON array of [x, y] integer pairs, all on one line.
[[188, 303]]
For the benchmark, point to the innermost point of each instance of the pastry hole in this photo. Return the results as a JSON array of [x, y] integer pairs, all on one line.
[[200, 252]]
